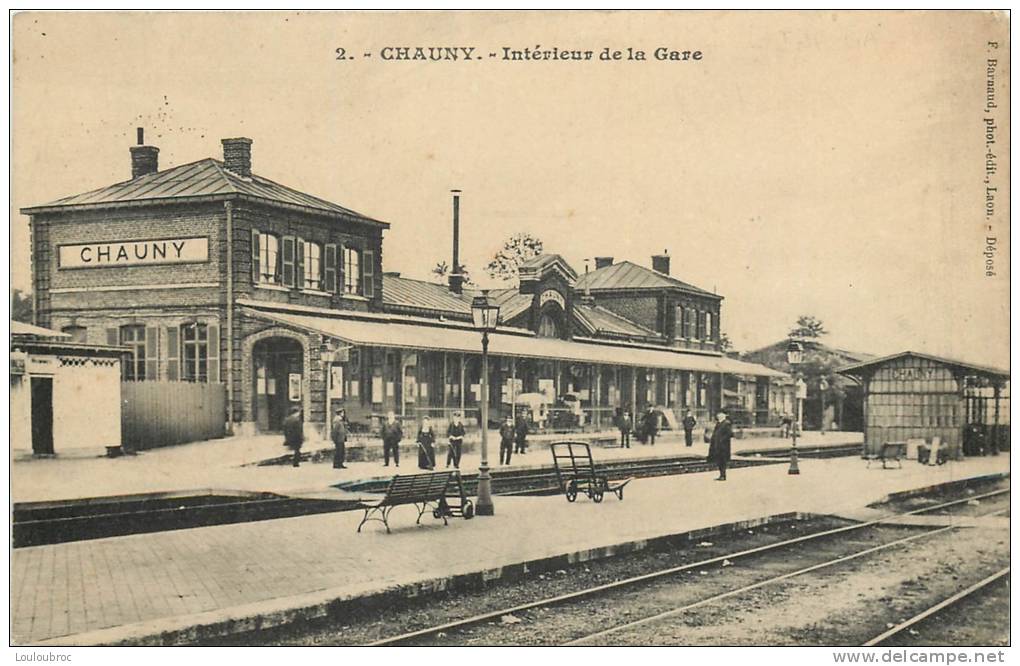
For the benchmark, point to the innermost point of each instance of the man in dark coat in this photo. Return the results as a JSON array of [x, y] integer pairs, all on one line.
[[688, 423], [338, 433], [455, 435], [651, 425], [521, 434], [294, 434], [507, 434], [391, 436], [719, 448], [625, 428]]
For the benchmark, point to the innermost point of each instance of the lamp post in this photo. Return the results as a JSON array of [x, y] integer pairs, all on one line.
[[485, 315], [794, 356]]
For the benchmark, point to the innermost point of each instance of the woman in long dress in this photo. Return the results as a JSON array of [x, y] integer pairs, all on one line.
[[426, 445]]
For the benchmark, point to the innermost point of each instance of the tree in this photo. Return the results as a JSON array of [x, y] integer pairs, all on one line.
[[517, 249], [725, 344], [21, 306], [442, 269], [808, 327]]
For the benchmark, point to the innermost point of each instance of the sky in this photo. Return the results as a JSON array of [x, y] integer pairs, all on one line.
[[819, 163]]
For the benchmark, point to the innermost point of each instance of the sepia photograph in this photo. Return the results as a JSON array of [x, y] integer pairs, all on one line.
[[463, 328]]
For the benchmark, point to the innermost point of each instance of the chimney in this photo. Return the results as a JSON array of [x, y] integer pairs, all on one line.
[[456, 279], [602, 262], [237, 155], [586, 297], [144, 159], [660, 262]]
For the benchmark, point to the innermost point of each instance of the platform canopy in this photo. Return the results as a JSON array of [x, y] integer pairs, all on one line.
[[423, 336]]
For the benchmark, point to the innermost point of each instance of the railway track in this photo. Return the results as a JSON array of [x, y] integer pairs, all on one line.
[[428, 633]]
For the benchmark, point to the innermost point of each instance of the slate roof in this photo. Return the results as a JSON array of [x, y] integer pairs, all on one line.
[[604, 320], [628, 275], [422, 295], [201, 180], [511, 302]]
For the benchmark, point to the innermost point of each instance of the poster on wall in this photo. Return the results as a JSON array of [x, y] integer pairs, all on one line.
[[294, 387], [336, 382], [377, 390], [410, 386]]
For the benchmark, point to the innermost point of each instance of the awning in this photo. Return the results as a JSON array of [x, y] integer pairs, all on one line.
[[439, 338]]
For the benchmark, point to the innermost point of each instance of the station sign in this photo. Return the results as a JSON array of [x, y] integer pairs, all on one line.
[[552, 295], [134, 253]]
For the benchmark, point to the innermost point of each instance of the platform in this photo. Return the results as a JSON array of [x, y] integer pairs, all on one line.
[[175, 586]]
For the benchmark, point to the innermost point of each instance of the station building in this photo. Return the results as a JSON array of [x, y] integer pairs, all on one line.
[[210, 273]]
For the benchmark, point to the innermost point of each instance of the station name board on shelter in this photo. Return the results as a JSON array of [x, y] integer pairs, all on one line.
[[552, 295], [134, 253]]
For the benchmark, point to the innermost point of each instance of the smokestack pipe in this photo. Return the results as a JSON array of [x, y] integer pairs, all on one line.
[[456, 279]]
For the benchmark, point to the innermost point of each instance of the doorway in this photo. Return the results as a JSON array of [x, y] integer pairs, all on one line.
[[42, 415], [278, 377]]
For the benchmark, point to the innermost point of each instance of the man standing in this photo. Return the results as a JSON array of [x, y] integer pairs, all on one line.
[[455, 434], [651, 425], [521, 429], [625, 428], [507, 435], [719, 449], [391, 436], [293, 434], [689, 422], [338, 433]]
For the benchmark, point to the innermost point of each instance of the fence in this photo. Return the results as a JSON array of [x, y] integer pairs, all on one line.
[[158, 414]]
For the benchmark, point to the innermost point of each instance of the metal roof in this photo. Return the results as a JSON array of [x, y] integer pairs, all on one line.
[[604, 320], [422, 295], [965, 365], [628, 275], [461, 339], [204, 179], [21, 328]]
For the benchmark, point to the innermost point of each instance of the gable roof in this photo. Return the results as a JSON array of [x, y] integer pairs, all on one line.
[[963, 365], [628, 275], [206, 179], [606, 321]]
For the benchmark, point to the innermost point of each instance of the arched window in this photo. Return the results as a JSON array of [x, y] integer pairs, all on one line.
[[548, 326]]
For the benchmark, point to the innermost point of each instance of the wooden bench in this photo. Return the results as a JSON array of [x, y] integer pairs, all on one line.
[[443, 491], [575, 472], [889, 451]]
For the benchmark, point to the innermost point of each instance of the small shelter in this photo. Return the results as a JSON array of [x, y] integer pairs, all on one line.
[[65, 396], [910, 395]]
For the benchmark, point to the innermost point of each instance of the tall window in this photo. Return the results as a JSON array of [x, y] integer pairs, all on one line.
[[708, 326], [689, 322], [269, 253], [134, 367], [313, 266], [548, 327], [352, 270], [195, 353]]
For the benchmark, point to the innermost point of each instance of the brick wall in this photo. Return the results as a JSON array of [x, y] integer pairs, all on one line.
[[643, 310]]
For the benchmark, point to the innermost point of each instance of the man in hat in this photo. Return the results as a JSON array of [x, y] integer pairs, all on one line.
[[625, 427], [719, 448], [338, 433], [455, 435], [521, 440], [651, 424], [293, 433], [391, 436], [688, 423], [506, 440]]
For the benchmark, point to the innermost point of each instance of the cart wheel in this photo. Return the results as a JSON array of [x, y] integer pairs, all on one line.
[[596, 495], [437, 514], [468, 510], [571, 491]]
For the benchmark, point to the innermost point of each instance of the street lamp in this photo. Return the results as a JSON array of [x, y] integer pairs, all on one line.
[[795, 356], [485, 315]]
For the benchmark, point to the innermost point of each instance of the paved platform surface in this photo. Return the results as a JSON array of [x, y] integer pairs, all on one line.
[[131, 585], [226, 464]]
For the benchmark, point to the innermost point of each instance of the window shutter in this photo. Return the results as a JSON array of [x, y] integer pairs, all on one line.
[[151, 353], [173, 354], [213, 360], [368, 273], [340, 268], [288, 261], [701, 324], [113, 336], [255, 252], [329, 269], [299, 263]]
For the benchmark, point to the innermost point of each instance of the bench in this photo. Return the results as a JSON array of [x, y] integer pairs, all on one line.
[[889, 451], [443, 491], [575, 472]]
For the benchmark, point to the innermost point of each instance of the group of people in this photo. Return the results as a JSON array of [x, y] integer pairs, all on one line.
[[513, 438]]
